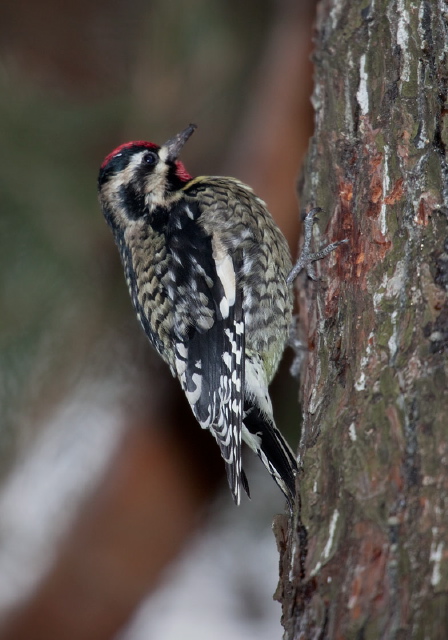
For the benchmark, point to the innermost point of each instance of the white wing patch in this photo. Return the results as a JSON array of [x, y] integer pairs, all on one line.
[[226, 273]]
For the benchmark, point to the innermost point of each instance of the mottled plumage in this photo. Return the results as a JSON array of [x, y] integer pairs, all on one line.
[[207, 271]]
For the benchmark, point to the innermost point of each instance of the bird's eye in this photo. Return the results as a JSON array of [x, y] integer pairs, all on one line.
[[150, 158]]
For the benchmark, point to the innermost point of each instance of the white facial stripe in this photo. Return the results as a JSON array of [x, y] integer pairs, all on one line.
[[123, 177], [135, 161], [156, 182]]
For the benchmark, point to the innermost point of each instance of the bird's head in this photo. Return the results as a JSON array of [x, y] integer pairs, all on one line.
[[139, 176]]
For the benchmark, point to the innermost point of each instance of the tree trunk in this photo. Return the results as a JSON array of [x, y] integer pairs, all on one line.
[[367, 554]]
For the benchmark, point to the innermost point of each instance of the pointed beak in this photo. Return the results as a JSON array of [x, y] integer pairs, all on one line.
[[174, 146]]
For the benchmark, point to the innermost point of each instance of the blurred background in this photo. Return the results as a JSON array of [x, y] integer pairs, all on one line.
[[115, 516]]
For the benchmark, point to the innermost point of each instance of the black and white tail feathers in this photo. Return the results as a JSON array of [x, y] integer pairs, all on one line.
[[263, 437]]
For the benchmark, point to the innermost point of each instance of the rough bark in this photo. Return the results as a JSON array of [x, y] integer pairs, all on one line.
[[367, 554]]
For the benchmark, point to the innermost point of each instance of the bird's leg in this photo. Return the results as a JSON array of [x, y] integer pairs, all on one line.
[[307, 257]]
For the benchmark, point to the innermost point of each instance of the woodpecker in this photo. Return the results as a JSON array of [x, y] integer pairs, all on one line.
[[207, 269]]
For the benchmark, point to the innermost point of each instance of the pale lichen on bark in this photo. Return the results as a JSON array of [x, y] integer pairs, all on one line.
[[374, 444]]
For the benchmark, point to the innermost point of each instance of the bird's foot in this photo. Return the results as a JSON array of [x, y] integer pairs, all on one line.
[[307, 257]]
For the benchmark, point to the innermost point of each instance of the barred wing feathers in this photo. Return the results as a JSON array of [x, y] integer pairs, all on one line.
[[209, 339]]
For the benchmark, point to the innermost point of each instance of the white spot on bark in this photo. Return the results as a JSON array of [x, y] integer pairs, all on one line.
[[335, 13], [393, 342], [333, 522], [422, 139], [386, 183], [293, 562], [352, 432], [362, 94], [316, 569], [436, 556], [360, 383], [314, 402], [402, 39]]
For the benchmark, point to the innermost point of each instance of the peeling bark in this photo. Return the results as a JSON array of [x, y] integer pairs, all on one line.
[[367, 555]]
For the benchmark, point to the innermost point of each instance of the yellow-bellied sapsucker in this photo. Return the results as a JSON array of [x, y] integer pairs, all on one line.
[[207, 269]]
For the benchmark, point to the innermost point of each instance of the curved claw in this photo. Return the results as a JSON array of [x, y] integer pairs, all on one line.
[[307, 256]]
